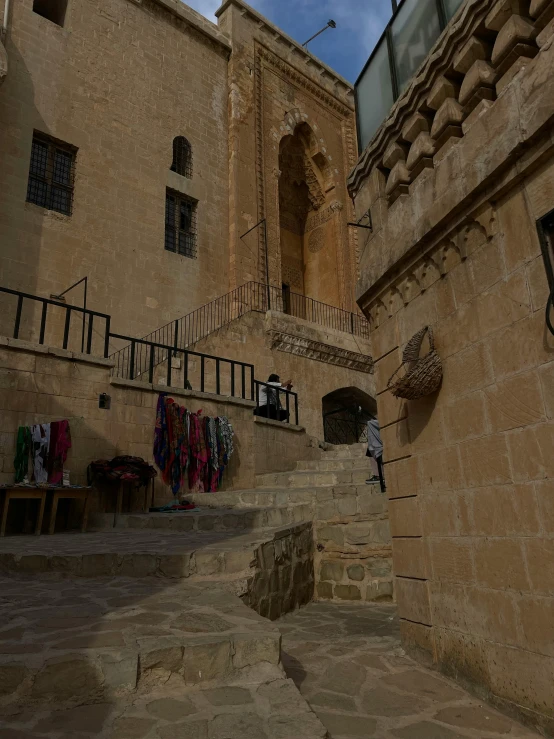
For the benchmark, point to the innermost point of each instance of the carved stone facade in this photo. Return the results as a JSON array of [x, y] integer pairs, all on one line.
[[272, 134], [455, 180]]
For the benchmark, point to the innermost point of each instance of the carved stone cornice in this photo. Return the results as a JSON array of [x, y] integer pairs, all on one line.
[[439, 60], [300, 79], [320, 352]]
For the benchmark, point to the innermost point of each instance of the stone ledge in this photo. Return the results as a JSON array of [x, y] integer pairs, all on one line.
[[278, 424], [153, 387], [197, 21], [319, 351], [29, 346]]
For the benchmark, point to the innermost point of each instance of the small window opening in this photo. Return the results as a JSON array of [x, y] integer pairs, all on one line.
[[182, 157], [51, 174], [52, 10], [286, 298], [180, 224]]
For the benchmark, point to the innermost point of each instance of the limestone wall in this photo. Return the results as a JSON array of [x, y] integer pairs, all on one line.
[[354, 555], [251, 339], [119, 81], [470, 469], [38, 384]]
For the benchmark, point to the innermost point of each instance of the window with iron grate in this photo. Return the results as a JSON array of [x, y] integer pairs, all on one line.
[[182, 157], [51, 174], [180, 224]]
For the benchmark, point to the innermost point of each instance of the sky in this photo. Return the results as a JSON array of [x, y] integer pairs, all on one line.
[[360, 23]]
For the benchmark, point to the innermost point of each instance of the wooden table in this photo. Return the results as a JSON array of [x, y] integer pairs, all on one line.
[[74, 494], [22, 492]]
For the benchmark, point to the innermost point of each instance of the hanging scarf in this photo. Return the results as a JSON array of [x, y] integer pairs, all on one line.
[[40, 434], [161, 444], [198, 449], [22, 449], [60, 443]]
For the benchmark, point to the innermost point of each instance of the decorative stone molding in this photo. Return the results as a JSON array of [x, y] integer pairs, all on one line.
[[437, 260], [320, 352], [485, 59]]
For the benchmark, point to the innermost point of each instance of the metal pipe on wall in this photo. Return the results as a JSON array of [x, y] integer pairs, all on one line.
[[5, 19]]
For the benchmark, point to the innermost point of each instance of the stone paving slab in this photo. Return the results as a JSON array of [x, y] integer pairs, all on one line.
[[136, 553], [71, 640], [348, 663], [270, 708]]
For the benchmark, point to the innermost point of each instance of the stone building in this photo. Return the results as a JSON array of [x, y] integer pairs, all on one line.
[[172, 161], [459, 182]]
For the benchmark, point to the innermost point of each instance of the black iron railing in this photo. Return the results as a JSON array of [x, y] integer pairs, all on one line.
[[86, 323], [203, 372], [275, 402], [252, 296]]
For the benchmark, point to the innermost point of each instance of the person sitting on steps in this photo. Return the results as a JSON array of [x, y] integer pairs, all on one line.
[[269, 400]]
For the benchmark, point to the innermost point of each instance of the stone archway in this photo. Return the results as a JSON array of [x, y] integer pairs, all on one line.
[[307, 231], [346, 412]]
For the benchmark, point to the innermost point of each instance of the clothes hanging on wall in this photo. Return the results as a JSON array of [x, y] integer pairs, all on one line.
[[22, 450], [47, 444], [191, 447]]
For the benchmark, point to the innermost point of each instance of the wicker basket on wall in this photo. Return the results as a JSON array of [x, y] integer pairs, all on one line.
[[422, 375]]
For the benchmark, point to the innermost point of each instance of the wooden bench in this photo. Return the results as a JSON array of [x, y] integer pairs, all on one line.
[[40, 493]]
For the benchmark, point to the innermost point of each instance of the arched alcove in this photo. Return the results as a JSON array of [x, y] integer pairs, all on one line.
[[346, 412], [308, 238]]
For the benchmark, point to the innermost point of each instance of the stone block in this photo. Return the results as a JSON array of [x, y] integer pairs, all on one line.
[[452, 559], [175, 565], [410, 558], [505, 510], [546, 374], [540, 564], [500, 564], [120, 670], [332, 570], [486, 461], [405, 519], [66, 678], [324, 590], [251, 649], [206, 660], [445, 514], [545, 499], [11, 677], [347, 592], [347, 505], [413, 600], [515, 402], [379, 590], [534, 686], [356, 572], [163, 653], [418, 637], [402, 478], [537, 624], [396, 441], [440, 472]]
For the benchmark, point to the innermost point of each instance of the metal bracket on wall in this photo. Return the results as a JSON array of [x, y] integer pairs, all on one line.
[[364, 222]]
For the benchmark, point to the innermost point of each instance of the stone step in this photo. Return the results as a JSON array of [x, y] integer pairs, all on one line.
[[215, 516], [345, 451], [266, 704], [303, 479], [67, 642], [332, 465], [136, 553]]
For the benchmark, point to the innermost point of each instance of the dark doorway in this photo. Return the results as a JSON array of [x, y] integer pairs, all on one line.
[[345, 415]]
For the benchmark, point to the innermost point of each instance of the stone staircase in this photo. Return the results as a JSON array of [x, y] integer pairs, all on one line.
[[134, 630]]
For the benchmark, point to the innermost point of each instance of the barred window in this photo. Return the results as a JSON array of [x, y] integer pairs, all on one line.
[[180, 224], [51, 174], [182, 157]]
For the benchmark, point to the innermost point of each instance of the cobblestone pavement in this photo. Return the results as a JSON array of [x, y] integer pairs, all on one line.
[[348, 663]]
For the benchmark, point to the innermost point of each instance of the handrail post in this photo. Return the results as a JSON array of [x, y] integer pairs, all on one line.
[[132, 362], [18, 316], [66, 327], [107, 338], [267, 266]]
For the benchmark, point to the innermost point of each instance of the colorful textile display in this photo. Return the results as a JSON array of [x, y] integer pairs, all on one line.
[[126, 468], [191, 447], [47, 444]]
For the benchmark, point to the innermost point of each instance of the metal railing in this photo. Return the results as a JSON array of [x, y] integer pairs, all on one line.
[[279, 402], [252, 296], [203, 372], [70, 311], [210, 373]]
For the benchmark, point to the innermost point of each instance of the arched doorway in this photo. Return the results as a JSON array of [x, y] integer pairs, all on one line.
[[308, 238], [346, 412]]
